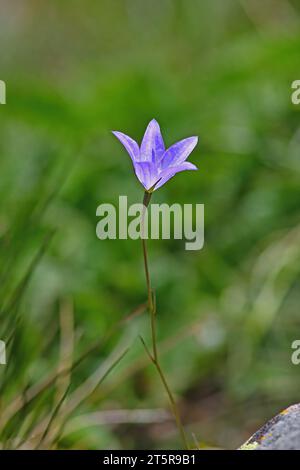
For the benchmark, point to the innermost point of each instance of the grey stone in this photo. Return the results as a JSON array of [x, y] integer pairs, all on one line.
[[280, 433]]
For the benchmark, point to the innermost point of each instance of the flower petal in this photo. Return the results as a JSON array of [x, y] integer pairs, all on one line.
[[146, 173], [167, 174], [152, 147], [130, 145], [178, 152]]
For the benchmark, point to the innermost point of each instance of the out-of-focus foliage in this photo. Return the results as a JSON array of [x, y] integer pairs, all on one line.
[[228, 314]]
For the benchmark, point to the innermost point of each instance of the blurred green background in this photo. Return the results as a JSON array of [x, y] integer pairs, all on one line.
[[228, 314]]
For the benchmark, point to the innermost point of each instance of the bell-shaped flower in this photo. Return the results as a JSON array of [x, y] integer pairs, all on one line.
[[153, 164]]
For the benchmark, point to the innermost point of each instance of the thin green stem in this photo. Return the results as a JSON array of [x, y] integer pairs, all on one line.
[[151, 303], [152, 310]]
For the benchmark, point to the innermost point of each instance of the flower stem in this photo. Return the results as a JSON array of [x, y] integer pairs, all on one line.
[[152, 310]]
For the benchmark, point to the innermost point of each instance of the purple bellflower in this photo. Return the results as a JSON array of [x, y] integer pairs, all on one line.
[[153, 164]]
